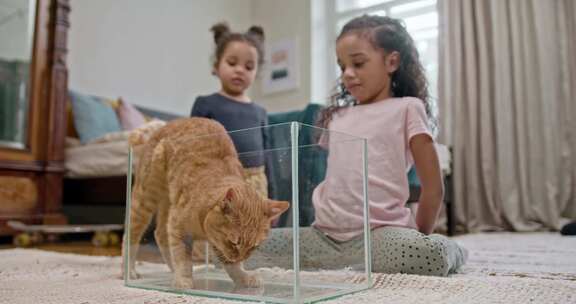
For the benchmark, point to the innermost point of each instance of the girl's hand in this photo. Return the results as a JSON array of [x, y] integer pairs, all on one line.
[[429, 173]]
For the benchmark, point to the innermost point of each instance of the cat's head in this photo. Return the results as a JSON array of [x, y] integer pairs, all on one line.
[[240, 221]]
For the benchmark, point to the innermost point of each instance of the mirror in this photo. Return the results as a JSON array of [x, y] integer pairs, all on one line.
[[16, 33]]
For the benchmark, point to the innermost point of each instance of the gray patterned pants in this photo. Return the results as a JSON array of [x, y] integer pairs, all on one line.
[[394, 250]]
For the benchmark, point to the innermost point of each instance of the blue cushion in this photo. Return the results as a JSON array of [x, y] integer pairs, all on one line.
[[413, 177], [92, 117]]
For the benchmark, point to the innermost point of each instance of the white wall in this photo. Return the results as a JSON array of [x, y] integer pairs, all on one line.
[[157, 54], [152, 53], [281, 20]]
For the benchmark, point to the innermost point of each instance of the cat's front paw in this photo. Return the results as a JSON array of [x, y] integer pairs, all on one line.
[[133, 274], [249, 280], [183, 283]]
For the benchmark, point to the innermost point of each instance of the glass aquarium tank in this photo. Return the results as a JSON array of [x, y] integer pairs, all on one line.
[[289, 265]]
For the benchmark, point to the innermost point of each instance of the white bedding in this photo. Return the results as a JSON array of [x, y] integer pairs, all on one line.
[[104, 157]]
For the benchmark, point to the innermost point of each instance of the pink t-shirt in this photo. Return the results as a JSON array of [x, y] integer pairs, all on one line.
[[388, 125]]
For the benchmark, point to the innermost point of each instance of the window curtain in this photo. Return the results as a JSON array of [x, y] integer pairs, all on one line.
[[507, 84]]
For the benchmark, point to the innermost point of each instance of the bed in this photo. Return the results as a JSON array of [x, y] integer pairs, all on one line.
[[95, 181]]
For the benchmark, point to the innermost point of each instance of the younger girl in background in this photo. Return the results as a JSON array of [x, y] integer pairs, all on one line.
[[237, 58], [383, 98]]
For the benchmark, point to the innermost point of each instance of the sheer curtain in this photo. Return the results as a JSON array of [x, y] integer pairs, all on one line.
[[507, 85]]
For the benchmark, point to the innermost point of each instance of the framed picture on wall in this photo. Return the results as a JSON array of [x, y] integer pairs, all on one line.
[[281, 70]]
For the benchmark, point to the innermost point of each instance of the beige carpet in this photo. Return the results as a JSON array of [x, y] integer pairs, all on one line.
[[503, 268]]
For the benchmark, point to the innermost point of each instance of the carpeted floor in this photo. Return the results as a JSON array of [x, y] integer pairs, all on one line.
[[503, 268]]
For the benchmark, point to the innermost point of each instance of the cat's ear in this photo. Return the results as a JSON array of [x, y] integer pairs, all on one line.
[[275, 208], [226, 203], [230, 195]]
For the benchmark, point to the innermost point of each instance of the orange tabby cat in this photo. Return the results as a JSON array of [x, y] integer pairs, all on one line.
[[189, 175]]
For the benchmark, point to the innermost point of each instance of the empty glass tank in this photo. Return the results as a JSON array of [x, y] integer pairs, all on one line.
[[289, 264]]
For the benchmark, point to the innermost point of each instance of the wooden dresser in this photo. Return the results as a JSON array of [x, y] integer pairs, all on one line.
[[32, 170]]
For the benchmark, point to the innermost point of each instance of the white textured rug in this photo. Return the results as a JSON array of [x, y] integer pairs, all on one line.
[[503, 268]]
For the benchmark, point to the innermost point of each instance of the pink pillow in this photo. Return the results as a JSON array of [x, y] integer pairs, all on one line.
[[130, 118]]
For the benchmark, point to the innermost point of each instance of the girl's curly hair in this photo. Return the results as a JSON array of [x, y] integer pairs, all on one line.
[[409, 79]]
